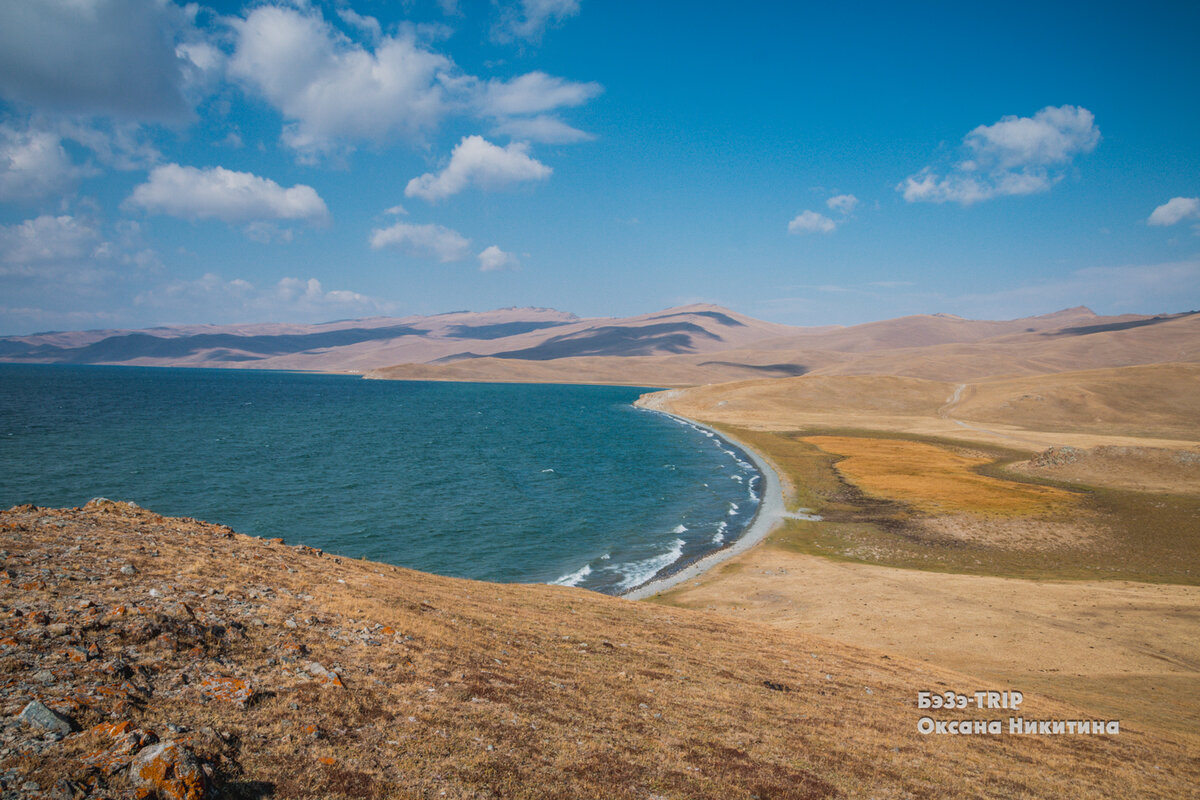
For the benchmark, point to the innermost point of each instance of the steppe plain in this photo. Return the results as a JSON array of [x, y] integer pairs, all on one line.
[[1005, 505]]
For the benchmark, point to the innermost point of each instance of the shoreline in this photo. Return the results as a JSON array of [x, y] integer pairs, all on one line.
[[769, 514]]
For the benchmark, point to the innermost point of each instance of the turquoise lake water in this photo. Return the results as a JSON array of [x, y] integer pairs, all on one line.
[[499, 482]]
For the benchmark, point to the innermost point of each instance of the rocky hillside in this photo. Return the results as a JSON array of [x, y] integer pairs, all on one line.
[[155, 657]]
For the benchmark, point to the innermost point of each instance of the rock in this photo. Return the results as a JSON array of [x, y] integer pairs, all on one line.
[[58, 629], [129, 569], [232, 690], [326, 676], [169, 771], [68, 790], [39, 716]]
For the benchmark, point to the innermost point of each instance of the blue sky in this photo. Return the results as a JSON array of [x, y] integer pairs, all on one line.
[[308, 161]]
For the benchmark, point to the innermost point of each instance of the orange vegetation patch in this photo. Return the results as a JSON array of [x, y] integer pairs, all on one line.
[[232, 690], [936, 479]]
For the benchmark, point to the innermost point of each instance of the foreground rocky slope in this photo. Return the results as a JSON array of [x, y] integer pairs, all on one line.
[[150, 656]]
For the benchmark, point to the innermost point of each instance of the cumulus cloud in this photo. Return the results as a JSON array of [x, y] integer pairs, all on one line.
[[428, 241], [811, 222], [1015, 156], [493, 258], [528, 19], [219, 193], [843, 203], [330, 88], [46, 240], [113, 57], [34, 164], [237, 300], [1175, 210], [477, 161]]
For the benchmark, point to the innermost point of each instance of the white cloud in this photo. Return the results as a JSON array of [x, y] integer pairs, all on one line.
[[477, 161], [1015, 156], [843, 203], [431, 241], [368, 25], [34, 164], [46, 239], [331, 88], [811, 222], [218, 193], [529, 19], [533, 93], [240, 300], [543, 128], [114, 57], [493, 258], [396, 211], [1174, 210], [122, 145]]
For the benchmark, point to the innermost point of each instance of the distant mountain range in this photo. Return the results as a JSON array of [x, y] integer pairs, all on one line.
[[678, 346]]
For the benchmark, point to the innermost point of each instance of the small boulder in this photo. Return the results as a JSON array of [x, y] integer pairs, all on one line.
[[325, 676], [44, 718], [169, 771]]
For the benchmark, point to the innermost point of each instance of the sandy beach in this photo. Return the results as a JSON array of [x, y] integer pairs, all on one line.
[[770, 512]]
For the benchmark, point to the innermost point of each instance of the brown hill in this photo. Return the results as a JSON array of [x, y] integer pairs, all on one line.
[[358, 345], [1157, 403], [689, 345], [268, 670], [934, 347]]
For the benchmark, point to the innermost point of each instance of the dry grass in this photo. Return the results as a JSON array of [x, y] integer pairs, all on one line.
[[461, 689], [936, 479]]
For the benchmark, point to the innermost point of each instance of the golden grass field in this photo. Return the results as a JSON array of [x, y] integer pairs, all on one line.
[[964, 548]]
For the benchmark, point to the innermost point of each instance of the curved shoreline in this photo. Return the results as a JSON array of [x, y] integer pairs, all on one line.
[[767, 516]]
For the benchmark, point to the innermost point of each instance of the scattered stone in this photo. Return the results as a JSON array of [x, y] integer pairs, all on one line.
[[169, 771], [776, 687], [129, 569], [326, 676], [40, 716]]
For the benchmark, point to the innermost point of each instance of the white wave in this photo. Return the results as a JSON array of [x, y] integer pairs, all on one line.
[[548, 470], [737, 478], [639, 572], [680, 529], [574, 578], [606, 557], [733, 509], [719, 536]]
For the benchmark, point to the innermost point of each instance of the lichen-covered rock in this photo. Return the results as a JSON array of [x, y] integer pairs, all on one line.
[[231, 690], [43, 718], [169, 771]]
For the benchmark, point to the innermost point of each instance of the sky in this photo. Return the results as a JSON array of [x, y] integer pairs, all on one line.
[[808, 164]]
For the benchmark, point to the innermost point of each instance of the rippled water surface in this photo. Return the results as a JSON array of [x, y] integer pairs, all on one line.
[[492, 481]]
